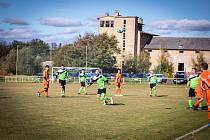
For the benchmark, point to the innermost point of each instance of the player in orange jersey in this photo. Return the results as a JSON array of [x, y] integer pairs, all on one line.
[[118, 83], [45, 82], [204, 84]]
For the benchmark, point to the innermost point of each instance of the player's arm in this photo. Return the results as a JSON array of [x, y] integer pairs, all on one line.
[[205, 80], [188, 84]]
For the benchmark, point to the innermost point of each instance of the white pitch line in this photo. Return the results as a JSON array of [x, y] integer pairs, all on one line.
[[190, 133]]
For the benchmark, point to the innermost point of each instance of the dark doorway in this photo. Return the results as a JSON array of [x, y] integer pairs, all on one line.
[[180, 66]]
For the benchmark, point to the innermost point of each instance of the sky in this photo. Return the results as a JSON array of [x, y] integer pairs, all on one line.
[[62, 21]]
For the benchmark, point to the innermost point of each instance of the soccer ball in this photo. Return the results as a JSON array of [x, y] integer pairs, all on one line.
[[120, 30]]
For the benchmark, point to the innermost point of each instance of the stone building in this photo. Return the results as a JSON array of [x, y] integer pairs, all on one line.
[[128, 31]]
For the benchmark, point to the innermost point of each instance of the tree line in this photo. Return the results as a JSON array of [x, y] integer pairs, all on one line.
[[101, 52]]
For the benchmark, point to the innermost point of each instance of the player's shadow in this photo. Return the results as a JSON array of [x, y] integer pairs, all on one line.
[[129, 95], [116, 104], [4, 97], [91, 94], [161, 95], [69, 97]]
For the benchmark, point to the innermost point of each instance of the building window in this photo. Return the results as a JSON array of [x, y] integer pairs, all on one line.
[[197, 51], [165, 51], [180, 66], [124, 21], [112, 24], [181, 51], [101, 23], [107, 23], [149, 50]]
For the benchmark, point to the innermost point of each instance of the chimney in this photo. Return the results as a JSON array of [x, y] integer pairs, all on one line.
[[116, 13]]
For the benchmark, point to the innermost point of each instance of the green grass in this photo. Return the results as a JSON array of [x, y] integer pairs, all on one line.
[[82, 117]]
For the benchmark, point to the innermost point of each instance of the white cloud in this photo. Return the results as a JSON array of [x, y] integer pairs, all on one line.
[[60, 22], [15, 21], [68, 31], [18, 33], [183, 25], [91, 21]]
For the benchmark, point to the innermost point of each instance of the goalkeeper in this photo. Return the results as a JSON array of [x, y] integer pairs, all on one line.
[[101, 82]]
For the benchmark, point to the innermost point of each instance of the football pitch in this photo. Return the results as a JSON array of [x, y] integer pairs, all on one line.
[[135, 116]]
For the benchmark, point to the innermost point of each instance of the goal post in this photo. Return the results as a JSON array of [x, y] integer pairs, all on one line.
[[73, 72]]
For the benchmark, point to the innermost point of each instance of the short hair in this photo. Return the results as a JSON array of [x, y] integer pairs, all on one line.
[[98, 70], [194, 68], [47, 66], [204, 66], [62, 65]]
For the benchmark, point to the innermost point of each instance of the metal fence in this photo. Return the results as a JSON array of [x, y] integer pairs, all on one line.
[[38, 79]]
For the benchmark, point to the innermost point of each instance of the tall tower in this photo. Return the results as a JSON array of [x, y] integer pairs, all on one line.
[[128, 31]]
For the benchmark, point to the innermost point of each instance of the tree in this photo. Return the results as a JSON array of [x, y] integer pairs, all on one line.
[[30, 57], [198, 62], [100, 52], [139, 65], [164, 66]]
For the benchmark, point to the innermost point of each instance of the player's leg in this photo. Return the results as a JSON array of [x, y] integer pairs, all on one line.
[[154, 90], [151, 87], [117, 90], [120, 89], [46, 92], [191, 95], [62, 86], [199, 97]]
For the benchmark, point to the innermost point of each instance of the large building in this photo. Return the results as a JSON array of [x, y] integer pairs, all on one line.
[[181, 51], [128, 31], [132, 40]]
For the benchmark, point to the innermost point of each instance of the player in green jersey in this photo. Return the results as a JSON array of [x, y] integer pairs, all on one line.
[[191, 84], [153, 82], [62, 75], [101, 83], [82, 78]]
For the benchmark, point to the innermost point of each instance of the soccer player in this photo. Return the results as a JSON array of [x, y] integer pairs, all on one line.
[[205, 86], [62, 76], [153, 83], [118, 82], [45, 82], [191, 84], [101, 94], [82, 77]]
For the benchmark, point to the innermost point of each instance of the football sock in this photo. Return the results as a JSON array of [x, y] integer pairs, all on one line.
[[46, 93], [154, 89], [84, 90], [190, 103], [200, 105], [150, 92], [80, 90]]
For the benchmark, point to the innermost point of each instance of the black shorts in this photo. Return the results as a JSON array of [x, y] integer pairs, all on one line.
[[192, 92], [82, 84], [62, 82], [152, 85], [100, 91]]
